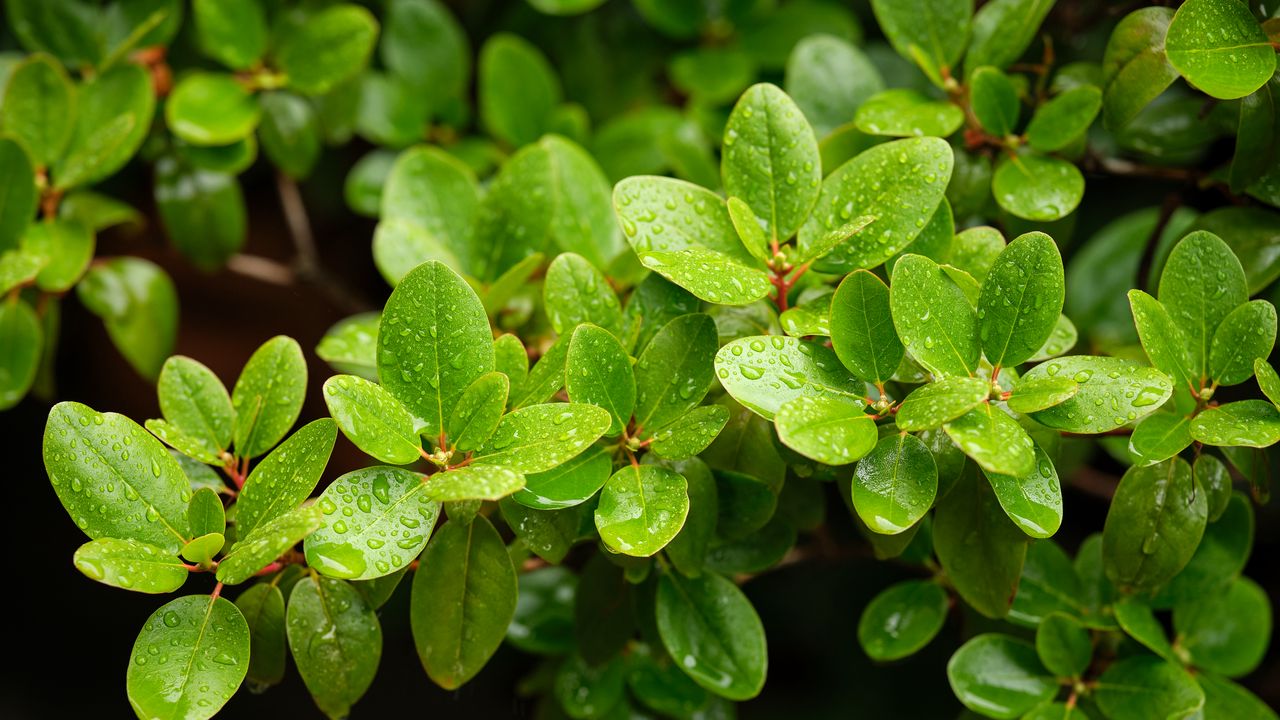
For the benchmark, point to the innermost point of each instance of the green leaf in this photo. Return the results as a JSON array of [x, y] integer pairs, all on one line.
[[18, 268], [904, 112], [1223, 698], [478, 411], [771, 160], [765, 373], [710, 275], [206, 641], [1268, 380], [899, 183], [203, 548], [895, 485], [936, 323], [1061, 340], [1064, 645], [543, 622], [422, 34], [932, 405], [335, 640], [546, 378], [1250, 233], [261, 545], [689, 216], [829, 78], [1037, 187], [1032, 500], [401, 245], [590, 691], [1226, 632], [517, 89], [675, 370], [131, 565], [205, 513], [350, 346], [375, 522], [603, 614], [211, 109], [642, 508], [433, 190], [862, 334], [233, 32], [1049, 584], [114, 115], [139, 306], [1113, 392], [372, 419], [1143, 687], [713, 632], [1021, 300], [1160, 436], [1222, 552], [539, 437], [21, 344], [268, 395], [712, 75], [1213, 475], [1247, 423], [598, 372], [1245, 335], [327, 48], [1064, 119], [511, 359], [902, 619], [464, 596], [39, 108], [932, 33], [1002, 31], [477, 482], [203, 211], [1202, 283], [994, 100], [433, 341], [1139, 621], [826, 429], [263, 608], [143, 489], [195, 403], [689, 435], [285, 477], [829, 242], [1230, 62], [978, 546], [1135, 70], [999, 676], [1163, 340], [67, 245], [750, 229], [290, 133], [575, 292], [567, 484], [1153, 526], [1037, 394], [18, 207], [549, 534]]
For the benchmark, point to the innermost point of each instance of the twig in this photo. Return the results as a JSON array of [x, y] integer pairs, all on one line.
[[262, 269], [307, 264]]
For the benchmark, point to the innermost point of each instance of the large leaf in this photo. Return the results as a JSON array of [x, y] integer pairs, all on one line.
[[995, 441], [1201, 284], [1021, 300], [286, 477], [372, 419], [204, 642], [895, 485], [568, 484], [39, 108], [598, 372], [765, 373], [1219, 47], [464, 596], [434, 191], [709, 275], [260, 546], [1143, 686], [1246, 423], [999, 676], [711, 627], [433, 341], [862, 332], [336, 641], [375, 521], [932, 33], [829, 78], [825, 429], [642, 508], [1113, 392], [1226, 632], [981, 550], [937, 324], [1153, 526]]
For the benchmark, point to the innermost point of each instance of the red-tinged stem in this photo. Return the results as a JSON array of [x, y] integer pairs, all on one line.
[[217, 590], [273, 567]]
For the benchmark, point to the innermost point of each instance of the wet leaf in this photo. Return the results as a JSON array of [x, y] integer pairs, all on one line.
[[713, 633], [902, 619], [675, 370], [268, 395], [1037, 187], [937, 324], [994, 100], [1218, 46], [933, 404], [1113, 392], [1037, 394], [131, 565], [1247, 423], [1065, 118], [1153, 526], [267, 541], [1000, 676], [1245, 335], [978, 546], [372, 419], [1143, 687], [474, 482], [710, 275], [286, 477], [765, 373], [1201, 284], [539, 437], [895, 485], [825, 429], [329, 47], [1021, 300], [211, 109], [336, 641], [907, 113], [642, 508], [1033, 500]]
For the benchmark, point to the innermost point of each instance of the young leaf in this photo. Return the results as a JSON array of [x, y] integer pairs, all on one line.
[[932, 33], [1065, 118], [206, 641], [978, 545], [233, 32], [549, 534], [898, 183], [710, 275], [1033, 501], [263, 608], [575, 292], [750, 229], [540, 437], [286, 477], [433, 341], [142, 488], [131, 565], [994, 100], [1037, 187], [211, 109], [1153, 526], [1230, 62], [329, 47], [1201, 284], [771, 160], [765, 373], [258, 547], [336, 641], [598, 372], [999, 676], [1247, 423], [1245, 335], [1139, 621], [933, 404], [568, 484], [895, 485], [517, 89], [902, 112], [1037, 394], [464, 596], [290, 133], [21, 344], [479, 410], [1021, 300], [689, 435], [675, 370], [1226, 632], [1113, 392], [902, 619], [642, 508], [39, 108], [1144, 686], [711, 626], [1064, 645], [68, 247], [195, 402], [476, 482], [546, 378], [268, 395], [1160, 436], [374, 522], [1135, 70], [372, 419], [825, 429], [935, 321]]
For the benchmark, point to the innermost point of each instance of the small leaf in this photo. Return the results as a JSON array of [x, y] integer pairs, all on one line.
[[937, 324], [517, 89], [690, 216], [832, 240], [575, 292], [1226, 632], [203, 211], [211, 109], [1029, 271], [327, 48], [114, 115], [1245, 335], [233, 32], [999, 676], [138, 305], [1135, 69], [372, 419], [1163, 340], [285, 477], [546, 377], [1160, 436], [1064, 119], [642, 508], [1113, 392], [750, 230], [829, 78], [931, 405], [895, 485], [1037, 187], [39, 108], [994, 100], [374, 522], [825, 429], [205, 513], [567, 484], [1153, 526], [290, 133], [1201, 284], [476, 482], [1147, 687], [131, 565], [350, 346], [1230, 62], [464, 596], [1139, 621], [540, 437], [689, 435], [1064, 337], [68, 247], [479, 410], [1002, 30], [260, 546], [904, 112], [336, 641], [207, 642], [1064, 645], [902, 619], [1033, 500], [932, 33], [710, 275], [1037, 394], [268, 395], [432, 190], [710, 627], [675, 370], [598, 372], [21, 345], [1247, 423], [765, 373], [195, 402], [862, 334]]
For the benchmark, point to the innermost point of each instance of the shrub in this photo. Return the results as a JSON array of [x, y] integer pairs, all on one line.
[[612, 381]]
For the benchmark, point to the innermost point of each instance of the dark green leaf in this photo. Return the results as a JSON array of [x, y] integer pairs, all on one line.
[[290, 133], [999, 676], [1145, 687], [689, 435], [1226, 632], [1229, 62], [675, 370], [1153, 526], [902, 619], [895, 485], [937, 324], [543, 621], [336, 641], [263, 608], [1037, 187], [994, 100], [712, 631], [1201, 284], [1033, 500], [642, 508], [233, 32], [115, 110], [1064, 645], [1021, 300], [1245, 335], [994, 440], [1002, 30], [203, 211], [1064, 119], [981, 550], [1134, 68], [1247, 423], [328, 48]]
